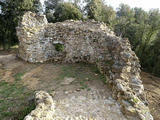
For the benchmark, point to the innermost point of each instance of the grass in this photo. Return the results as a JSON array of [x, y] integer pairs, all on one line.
[[66, 71], [18, 76], [13, 95], [13, 98], [82, 72], [83, 85], [25, 111]]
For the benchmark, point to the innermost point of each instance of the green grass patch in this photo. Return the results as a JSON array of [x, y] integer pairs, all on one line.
[[102, 78], [83, 85], [18, 76], [66, 71], [13, 98], [82, 73], [25, 111]]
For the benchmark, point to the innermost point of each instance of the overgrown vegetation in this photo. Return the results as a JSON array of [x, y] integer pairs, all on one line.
[[140, 27], [59, 47]]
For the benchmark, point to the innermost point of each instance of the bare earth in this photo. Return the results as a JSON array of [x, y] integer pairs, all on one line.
[[78, 90], [152, 89]]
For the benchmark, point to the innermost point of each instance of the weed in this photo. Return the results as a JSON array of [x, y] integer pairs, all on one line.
[[59, 47], [83, 85], [135, 100], [18, 76], [102, 77], [88, 89]]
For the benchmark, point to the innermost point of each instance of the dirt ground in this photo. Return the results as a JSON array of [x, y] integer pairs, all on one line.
[[152, 89], [78, 90], [68, 83]]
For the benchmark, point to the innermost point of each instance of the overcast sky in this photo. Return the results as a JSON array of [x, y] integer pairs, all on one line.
[[145, 4]]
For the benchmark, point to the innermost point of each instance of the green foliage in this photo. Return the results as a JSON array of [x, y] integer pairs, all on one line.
[[94, 9], [18, 76], [27, 109], [50, 6], [98, 11], [135, 100], [59, 47], [12, 10], [108, 15], [65, 11], [14, 95], [83, 85], [142, 28], [38, 6], [50, 17], [125, 11]]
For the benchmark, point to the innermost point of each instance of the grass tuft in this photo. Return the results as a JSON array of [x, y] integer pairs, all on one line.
[[18, 76]]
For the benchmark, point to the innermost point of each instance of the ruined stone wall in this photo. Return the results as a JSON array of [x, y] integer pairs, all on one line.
[[92, 42]]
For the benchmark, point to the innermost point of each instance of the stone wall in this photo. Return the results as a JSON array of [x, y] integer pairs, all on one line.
[[91, 42]]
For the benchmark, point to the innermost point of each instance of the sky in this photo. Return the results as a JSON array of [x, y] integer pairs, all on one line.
[[145, 4]]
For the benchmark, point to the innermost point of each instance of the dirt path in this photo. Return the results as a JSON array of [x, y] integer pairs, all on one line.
[[78, 90]]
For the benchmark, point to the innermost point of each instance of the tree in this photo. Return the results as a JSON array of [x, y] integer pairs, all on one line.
[[125, 17], [38, 6], [143, 30], [150, 38], [155, 55], [108, 15], [50, 6], [94, 9], [65, 11], [140, 16], [97, 10], [125, 11], [12, 10]]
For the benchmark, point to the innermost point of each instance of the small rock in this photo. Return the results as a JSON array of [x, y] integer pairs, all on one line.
[[53, 93], [78, 90], [66, 92], [87, 79], [67, 81]]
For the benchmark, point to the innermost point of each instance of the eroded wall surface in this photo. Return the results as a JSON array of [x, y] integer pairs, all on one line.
[[91, 42]]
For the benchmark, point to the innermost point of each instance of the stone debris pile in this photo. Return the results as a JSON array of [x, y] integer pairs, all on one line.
[[45, 107], [92, 42]]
